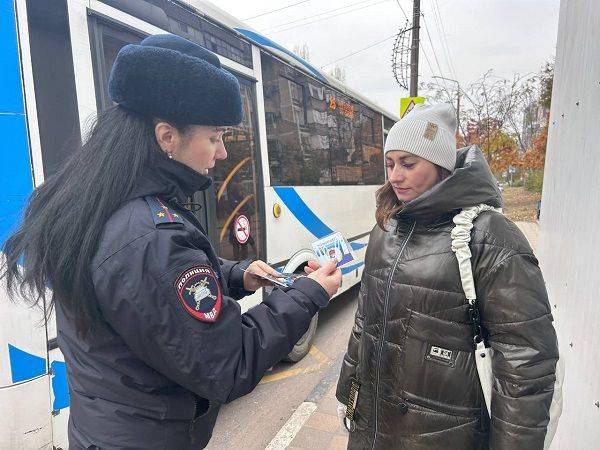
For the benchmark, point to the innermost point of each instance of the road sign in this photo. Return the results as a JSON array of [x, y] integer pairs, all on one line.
[[242, 229], [408, 103]]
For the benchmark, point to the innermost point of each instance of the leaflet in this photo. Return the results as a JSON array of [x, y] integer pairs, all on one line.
[[333, 247]]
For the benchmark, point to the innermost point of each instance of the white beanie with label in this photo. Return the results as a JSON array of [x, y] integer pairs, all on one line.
[[427, 131]]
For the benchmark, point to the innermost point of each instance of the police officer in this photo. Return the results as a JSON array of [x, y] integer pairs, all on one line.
[[148, 322]]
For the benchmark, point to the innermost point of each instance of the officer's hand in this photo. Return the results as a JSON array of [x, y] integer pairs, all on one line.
[[328, 276], [252, 282], [311, 267]]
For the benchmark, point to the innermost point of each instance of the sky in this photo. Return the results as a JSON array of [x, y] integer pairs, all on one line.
[[466, 37]]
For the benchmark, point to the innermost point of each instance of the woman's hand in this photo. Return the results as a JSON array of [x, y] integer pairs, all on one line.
[[252, 280]]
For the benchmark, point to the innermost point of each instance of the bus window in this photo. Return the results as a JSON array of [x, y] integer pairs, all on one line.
[[297, 126], [236, 183], [369, 138], [107, 40], [54, 81]]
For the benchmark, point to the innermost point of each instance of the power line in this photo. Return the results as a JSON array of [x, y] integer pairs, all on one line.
[[450, 59], [434, 54], [442, 34], [326, 18], [275, 10], [427, 59], [402, 9], [316, 15], [358, 51]]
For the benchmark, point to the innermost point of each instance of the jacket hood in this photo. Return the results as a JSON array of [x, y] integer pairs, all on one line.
[[471, 183]]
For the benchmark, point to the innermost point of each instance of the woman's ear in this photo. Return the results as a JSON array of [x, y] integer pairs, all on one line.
[[166, 136]]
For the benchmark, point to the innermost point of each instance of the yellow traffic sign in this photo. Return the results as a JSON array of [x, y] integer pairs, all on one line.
[[408, 103]]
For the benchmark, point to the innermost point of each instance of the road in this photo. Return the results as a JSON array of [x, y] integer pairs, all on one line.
[[252, 421]]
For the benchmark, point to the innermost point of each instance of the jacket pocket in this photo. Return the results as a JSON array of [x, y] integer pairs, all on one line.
[[404, 418], [438, 366]]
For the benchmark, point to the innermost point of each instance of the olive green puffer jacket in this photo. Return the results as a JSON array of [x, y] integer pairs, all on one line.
[[411, 348]]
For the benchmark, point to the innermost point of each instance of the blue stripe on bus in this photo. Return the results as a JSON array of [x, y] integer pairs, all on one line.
[[11, 93], [262, 40], [60, 386], [305, 215], [349, 269], [23, 365], [302, 212], [16, 181]]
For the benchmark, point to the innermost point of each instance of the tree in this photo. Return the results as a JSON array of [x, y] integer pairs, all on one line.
[[535, 157], [491, 115], [302, 51], [339, 73], [546, 78]]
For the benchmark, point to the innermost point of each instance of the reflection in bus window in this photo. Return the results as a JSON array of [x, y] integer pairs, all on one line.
[[316, 135]]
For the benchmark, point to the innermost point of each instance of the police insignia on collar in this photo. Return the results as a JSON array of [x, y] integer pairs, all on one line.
[[200, 293]]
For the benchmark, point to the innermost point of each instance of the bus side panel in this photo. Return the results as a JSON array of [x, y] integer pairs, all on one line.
[[21, 424], [311, 212], [24, 384]]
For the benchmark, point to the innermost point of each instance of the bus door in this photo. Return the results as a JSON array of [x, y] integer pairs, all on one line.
[[235, 201], [230, 210]]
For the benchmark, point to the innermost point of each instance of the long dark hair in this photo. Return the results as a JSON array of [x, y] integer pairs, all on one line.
[[388, 204], [64, 219]]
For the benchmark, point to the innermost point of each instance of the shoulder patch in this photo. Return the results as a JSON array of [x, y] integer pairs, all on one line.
[[200, 293], [161, 213]]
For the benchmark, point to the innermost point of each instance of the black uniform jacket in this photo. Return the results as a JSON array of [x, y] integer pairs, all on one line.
[[173, 345]]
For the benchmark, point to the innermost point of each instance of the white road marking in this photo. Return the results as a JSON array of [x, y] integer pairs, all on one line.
[[288, 432]]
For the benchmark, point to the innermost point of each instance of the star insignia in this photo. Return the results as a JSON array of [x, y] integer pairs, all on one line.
[[160, 214]]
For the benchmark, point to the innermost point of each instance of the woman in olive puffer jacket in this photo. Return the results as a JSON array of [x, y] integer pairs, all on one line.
[[410, 353]]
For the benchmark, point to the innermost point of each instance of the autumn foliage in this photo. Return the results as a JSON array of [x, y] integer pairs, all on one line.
[[535, 157]]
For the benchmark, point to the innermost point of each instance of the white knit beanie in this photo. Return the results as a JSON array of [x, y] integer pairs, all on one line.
[[427, 131]]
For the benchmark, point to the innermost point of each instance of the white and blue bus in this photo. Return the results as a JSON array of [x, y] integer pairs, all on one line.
[[305, 162]]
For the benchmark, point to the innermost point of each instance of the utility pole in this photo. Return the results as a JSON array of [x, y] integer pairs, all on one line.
[[414, 49]]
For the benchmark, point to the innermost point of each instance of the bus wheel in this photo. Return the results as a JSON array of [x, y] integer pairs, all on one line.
[[302, 347]]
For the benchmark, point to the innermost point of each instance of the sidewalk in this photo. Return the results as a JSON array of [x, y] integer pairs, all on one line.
[[322, 430], [315, 424], [530, 230]]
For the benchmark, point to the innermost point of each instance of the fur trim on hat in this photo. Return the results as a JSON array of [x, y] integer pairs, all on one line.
[[169, 84]]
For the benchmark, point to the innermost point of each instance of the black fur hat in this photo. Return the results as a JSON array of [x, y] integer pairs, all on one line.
[[171, 78]]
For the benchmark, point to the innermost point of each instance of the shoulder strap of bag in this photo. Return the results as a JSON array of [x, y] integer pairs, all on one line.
[[461, 236]]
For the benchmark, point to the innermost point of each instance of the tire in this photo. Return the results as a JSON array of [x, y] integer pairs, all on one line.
[[302, 347]]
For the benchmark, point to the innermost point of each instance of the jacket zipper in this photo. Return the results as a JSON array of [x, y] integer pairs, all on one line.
[[385, 308]]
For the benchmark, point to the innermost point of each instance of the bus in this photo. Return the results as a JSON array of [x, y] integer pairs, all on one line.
[[305, 162]]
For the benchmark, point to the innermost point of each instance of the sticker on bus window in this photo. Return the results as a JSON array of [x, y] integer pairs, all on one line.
[[333, 247]]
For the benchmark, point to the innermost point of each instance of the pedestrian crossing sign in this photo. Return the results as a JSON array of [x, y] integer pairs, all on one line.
[[408, 103]]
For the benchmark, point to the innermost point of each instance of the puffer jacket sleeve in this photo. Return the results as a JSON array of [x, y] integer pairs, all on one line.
[[350, 361], [516, 313]]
